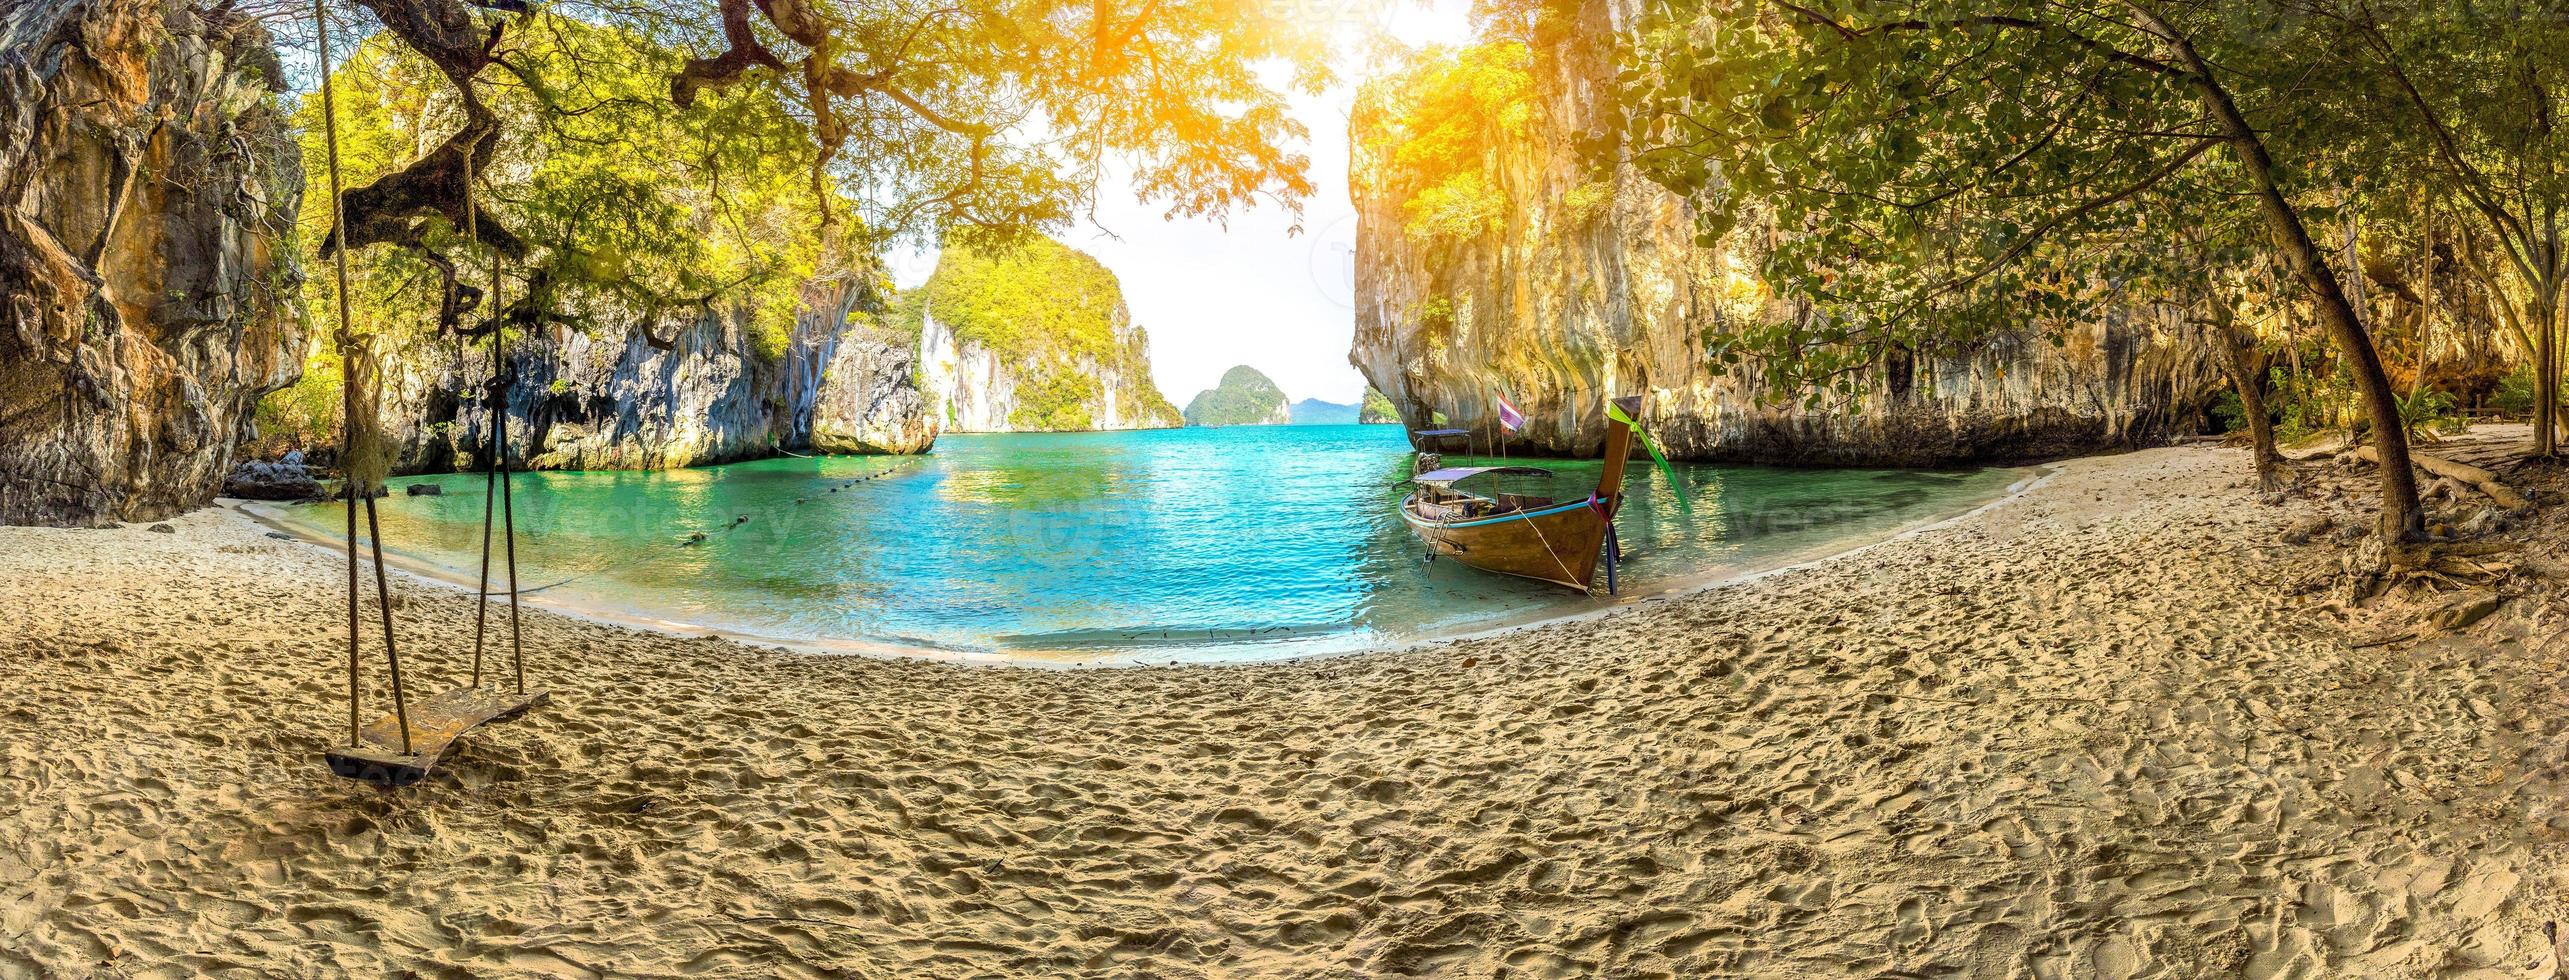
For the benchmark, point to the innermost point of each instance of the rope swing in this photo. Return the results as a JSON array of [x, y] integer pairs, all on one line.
[[497, 481], [398, 749]]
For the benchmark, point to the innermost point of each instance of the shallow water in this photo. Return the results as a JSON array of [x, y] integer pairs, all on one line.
[[1206, 544]]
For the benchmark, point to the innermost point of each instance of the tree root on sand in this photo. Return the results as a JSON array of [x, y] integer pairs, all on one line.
[[2373, 569], [2464, 473]]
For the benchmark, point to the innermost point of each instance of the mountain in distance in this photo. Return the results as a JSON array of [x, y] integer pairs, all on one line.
[[1313, 411], [1245, 397]]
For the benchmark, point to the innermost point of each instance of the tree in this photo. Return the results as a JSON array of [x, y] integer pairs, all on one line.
[[2207, 269], [998, 117], [975, 122], [1942, 168], [983, 121], [1429, 135], [620, 200], [2476, 96]]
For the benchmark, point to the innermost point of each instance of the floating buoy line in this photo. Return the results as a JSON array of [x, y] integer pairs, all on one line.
[[700, 537]]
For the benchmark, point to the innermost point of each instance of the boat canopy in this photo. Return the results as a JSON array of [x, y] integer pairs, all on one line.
[[1457, 474], [1434, 433]]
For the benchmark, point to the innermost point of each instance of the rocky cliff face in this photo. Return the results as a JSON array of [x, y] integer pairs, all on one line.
[[971, 387], [1036, 340], [1589, 282], [147, 185], [612, 397], [869, 401]]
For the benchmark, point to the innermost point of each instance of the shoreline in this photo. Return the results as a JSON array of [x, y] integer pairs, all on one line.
[[434, 573], [1690, 586], [2113, 726]]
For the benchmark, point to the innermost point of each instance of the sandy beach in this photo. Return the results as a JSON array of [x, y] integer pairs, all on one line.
[[2114, 727]]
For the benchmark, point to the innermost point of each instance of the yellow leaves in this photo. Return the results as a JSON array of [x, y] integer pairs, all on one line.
[[1437, 130], [1464, 206], [606, 264]]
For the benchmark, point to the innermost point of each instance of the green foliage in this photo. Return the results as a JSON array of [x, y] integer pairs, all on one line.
[[1055, 315], [1435, 315], [1429, 137], [2462, 104], [985, 121], [2229, 411], [303, 415], [1042, 297], [637, 213], [1056, 402], [2431, 412], [1463, 206], [1588, 202], [1245, 397], [2515, 392], [1377, 409], [2307, 406], [1946, 170], [641, 206]]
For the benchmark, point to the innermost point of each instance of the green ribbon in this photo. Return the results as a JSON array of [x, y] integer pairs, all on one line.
[[1676, 486]]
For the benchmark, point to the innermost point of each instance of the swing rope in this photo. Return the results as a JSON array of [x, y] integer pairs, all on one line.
[[346, 342], [496, 483]]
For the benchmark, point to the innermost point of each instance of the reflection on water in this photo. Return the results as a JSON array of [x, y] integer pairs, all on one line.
[[1214, 543]]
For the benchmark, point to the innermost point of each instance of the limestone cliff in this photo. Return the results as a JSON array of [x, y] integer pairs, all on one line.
[[869, 400], [147, 185], [613, 395], [1033, 340], [670, 309], [1561, 276]]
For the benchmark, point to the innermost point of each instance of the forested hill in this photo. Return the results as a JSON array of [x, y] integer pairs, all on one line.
[[1245, 397], [1313, 411], [1034, 338]]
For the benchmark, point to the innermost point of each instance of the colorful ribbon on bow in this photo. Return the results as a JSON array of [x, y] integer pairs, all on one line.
[[1675, 485]]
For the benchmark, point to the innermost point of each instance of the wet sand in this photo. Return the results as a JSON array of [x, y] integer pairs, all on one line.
[[2107, 728]]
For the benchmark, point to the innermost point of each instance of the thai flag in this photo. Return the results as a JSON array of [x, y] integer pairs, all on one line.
[[1509, 418]]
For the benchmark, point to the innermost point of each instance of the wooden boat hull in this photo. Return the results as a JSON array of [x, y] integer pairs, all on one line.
[[1559, 544]]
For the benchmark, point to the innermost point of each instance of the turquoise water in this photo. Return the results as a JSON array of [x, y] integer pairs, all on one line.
[[1230, 543]]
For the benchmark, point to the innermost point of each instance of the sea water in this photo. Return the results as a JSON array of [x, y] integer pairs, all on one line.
[[1242, 542]]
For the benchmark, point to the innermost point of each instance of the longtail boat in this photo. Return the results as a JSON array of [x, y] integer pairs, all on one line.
[[1540, 538]]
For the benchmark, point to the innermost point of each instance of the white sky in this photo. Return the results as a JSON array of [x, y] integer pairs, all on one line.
[[1215, 296]]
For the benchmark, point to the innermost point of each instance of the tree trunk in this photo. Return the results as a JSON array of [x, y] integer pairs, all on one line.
[[2240, 364], [2546, 387], [2401, 520], [2546, 363], [2425, 308]]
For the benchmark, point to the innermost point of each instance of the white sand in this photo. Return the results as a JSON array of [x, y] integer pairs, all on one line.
[[2093, 732]]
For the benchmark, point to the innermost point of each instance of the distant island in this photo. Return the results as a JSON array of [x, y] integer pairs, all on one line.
[[1313, 411], [1245, 397], [1375, 410]]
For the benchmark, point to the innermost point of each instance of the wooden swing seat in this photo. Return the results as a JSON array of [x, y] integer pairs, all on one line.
[[436, 722]]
